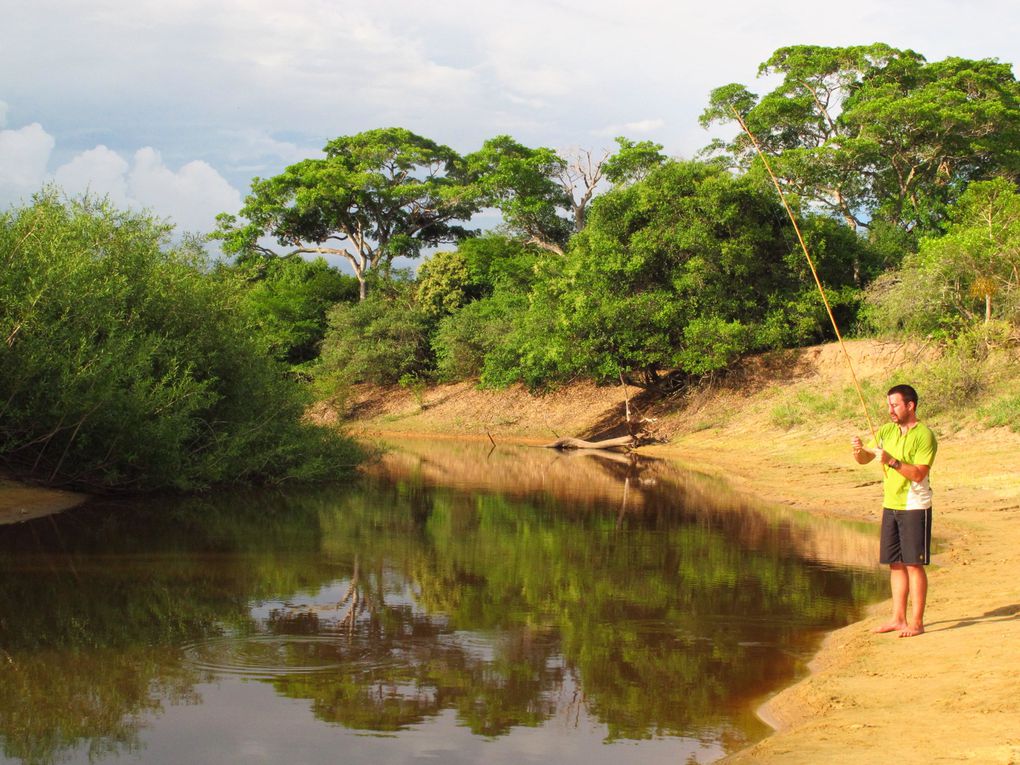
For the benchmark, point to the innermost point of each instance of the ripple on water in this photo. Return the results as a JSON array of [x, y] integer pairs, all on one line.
[[266, 656]]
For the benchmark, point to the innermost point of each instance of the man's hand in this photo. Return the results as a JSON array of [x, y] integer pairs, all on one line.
[[862, 455]]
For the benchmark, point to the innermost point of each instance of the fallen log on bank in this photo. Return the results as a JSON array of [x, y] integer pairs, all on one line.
[[623, 442]]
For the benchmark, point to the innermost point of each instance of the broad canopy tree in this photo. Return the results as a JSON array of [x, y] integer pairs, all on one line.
[[544, 195], [390, 193], [688, 269], [375, 196], [871, 133]]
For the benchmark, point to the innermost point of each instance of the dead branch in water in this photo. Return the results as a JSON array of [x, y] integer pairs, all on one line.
[[623, 442]]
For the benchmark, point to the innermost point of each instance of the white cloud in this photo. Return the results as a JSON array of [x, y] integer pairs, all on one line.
[[24, 155], [190, 196], [251, 86], [255, 149], [98, 171], [629, 129]]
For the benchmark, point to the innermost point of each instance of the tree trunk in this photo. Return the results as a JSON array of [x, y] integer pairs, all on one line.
[[576, 443]]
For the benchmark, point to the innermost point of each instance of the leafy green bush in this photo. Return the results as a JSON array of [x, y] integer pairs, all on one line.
[[444, 284], [463, 340], [534, 349], [289, 298], [127, 365], [379, 340], [970, 275]]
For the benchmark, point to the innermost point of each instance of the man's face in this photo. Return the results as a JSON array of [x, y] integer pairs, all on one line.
[[900, 411]]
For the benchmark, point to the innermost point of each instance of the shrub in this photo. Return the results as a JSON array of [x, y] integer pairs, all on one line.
[[379, 340], [464, 339], [127, 365]]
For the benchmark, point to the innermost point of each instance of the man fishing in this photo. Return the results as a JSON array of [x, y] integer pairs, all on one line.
[[906, 449]]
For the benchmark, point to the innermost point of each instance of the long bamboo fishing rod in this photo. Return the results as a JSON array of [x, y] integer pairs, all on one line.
[[811, 265]]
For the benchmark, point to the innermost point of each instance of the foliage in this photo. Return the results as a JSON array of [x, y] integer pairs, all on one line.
[[536, 347], [375, 196], [971, 274], [872, 133], [500, 262], [544, 195], [501, 273], [689, 268], [633, 161], [289, 297], [464, 340], [444, 284], [127, 365], [379, 340], [521, 183]]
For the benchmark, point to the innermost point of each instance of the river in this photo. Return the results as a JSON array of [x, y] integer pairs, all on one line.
[[461, 603]]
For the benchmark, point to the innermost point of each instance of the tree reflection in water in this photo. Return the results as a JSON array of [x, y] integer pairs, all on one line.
[[510, 588]]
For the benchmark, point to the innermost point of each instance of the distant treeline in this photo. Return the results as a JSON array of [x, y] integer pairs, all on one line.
[[631, 264], [618, 265]]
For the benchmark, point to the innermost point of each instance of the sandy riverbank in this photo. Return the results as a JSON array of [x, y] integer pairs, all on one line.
[[19, 503], [949, 695]]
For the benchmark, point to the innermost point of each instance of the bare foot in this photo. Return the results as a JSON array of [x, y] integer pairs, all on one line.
[[913, 631], [892, 627]]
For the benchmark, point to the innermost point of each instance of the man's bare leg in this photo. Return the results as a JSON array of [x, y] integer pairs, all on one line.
[[918, 585], [900, 586]]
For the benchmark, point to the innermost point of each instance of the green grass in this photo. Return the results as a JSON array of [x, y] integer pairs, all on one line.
[[1002, 412], [844, 405], [967, 384]]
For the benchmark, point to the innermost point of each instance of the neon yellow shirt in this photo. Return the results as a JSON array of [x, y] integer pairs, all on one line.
[[915, 447]]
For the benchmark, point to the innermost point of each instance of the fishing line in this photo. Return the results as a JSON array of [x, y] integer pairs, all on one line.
[[811, 265]]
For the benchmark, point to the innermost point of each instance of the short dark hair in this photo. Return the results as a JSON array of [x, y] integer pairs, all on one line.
[[907, 392]]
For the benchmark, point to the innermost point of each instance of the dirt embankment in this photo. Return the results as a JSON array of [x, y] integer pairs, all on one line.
[[949, 695]]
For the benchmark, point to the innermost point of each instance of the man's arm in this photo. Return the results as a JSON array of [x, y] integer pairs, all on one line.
[[915, 473], [862, 455]]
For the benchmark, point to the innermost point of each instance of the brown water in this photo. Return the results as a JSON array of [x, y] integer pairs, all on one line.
[[460, 604]]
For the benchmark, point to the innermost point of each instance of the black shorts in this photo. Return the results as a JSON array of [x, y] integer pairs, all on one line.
[[906, 537]]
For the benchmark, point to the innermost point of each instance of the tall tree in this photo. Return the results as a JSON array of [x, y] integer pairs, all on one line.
[[687, 269], [544, 195], [521, 183], [375, 196], [872, 133]]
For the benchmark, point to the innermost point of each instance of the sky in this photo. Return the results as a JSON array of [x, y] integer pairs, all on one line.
[[173, 106]]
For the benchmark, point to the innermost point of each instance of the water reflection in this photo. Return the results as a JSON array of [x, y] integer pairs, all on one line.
[[467, 590]]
